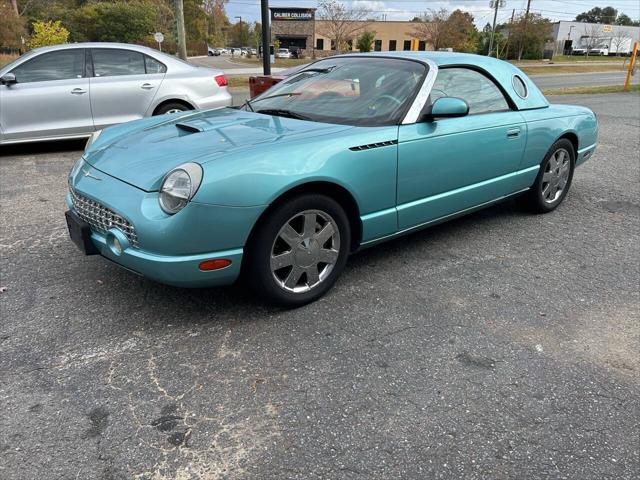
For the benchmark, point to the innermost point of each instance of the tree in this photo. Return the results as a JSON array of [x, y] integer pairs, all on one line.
[[239, 34], [460, 31], [531, 33], [128, 22], [365, 42], [626, 21], [48, 33], [217, 21], [620, 36], [598, 15], [12, 26], [440, 29], [341, 23], [591, 37], [433, 28]]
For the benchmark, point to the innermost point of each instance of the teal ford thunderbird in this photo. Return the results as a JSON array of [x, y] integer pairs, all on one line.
[[349, 151]]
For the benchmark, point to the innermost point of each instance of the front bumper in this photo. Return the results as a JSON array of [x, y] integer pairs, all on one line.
[[176, 270], [169, 248]]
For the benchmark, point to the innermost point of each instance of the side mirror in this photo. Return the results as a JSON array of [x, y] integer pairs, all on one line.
[[8, 79], [446, 107]]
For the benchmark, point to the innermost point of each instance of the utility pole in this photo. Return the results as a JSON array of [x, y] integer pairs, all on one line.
[[266, 37], [182, 41], [495, 4], [524, 30]]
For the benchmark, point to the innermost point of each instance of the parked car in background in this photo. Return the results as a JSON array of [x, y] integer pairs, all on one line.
[[70, 91], [253, 51], [213, 52], [283, 53], [350, 151], [237, 52], [296, 52]]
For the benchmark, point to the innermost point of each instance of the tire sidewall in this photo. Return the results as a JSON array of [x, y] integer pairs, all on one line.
[[541, 204], [258, 266], [169, 106]]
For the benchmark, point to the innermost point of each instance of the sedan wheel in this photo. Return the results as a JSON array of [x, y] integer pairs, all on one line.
[[298, 251]]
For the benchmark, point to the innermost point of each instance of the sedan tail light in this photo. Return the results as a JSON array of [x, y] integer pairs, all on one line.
[[221, 80]]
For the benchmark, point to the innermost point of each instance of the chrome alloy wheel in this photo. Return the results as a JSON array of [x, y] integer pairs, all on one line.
[[173, 110], [305, 251], [556, 175]]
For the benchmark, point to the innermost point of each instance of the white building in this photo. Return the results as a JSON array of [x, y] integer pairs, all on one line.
[[597, 38]]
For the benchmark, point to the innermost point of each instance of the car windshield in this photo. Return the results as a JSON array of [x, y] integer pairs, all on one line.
[[361, 91]]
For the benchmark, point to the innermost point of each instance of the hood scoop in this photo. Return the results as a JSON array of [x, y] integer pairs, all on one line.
[[189, 127]]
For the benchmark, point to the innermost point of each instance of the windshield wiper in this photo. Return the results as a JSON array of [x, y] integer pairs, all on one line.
[[290, 94], [281, 112], [247, 103]]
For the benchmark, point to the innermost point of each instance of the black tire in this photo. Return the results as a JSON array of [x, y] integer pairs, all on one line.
[[171, 107], [257, 265], [538, 198]]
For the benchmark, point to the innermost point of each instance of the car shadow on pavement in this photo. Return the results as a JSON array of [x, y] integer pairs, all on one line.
[[238, 300], [42, 147]]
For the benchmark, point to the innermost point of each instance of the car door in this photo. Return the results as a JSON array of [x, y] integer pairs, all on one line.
[[123, 85], [49, 99], [452, 164]]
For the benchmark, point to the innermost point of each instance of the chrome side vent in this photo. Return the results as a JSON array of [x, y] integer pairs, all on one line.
[[369, 146]]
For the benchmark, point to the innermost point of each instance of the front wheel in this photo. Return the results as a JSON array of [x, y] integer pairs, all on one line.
[[554, 178], [299, 250]]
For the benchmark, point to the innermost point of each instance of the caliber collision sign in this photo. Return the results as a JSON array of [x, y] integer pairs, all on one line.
[[292, 14]]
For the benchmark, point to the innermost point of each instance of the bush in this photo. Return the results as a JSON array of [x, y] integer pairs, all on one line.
[[127, 22], [365, 42], [48, 33]]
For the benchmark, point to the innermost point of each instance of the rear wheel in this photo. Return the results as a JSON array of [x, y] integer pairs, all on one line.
[[554, 178], [299, 250], [171, 107]]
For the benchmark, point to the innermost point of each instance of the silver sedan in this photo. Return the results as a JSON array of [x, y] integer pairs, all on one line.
[[69, 91]]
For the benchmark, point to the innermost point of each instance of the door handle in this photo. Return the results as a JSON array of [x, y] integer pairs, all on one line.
[[147, 86], [513, 132], [78, 91]]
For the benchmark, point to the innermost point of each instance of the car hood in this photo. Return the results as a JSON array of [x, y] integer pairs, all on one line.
[[143, 156]]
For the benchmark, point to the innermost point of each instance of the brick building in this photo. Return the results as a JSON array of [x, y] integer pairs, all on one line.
[[298, 27]]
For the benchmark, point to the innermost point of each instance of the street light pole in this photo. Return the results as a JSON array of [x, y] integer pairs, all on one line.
[[266, 37], [241, 32]]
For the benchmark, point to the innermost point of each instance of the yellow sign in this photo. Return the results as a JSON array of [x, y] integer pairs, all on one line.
[[607, 28]]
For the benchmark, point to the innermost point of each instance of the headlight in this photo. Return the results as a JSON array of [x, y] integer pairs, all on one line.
[[179, 186], [94, 136]]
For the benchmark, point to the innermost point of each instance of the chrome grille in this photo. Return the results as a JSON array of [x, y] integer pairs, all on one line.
[[100, 218]]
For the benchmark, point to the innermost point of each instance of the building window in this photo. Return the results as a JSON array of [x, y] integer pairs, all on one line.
[[422, 45], [333, 44], [319, 43], [392, 45], [406, 45], [377, 46]]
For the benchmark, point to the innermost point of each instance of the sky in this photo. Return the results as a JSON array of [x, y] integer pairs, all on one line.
[[407, 9]]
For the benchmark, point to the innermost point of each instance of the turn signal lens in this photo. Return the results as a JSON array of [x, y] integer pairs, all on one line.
[[221, 80], [216, 264]]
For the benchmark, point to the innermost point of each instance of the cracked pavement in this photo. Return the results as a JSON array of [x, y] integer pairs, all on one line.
[[499, 345]]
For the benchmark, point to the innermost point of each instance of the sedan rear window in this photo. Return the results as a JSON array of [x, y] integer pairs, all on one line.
[[113, 62], [153, 66]]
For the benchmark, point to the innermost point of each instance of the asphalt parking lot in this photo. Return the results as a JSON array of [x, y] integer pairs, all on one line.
[[500, 345]]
